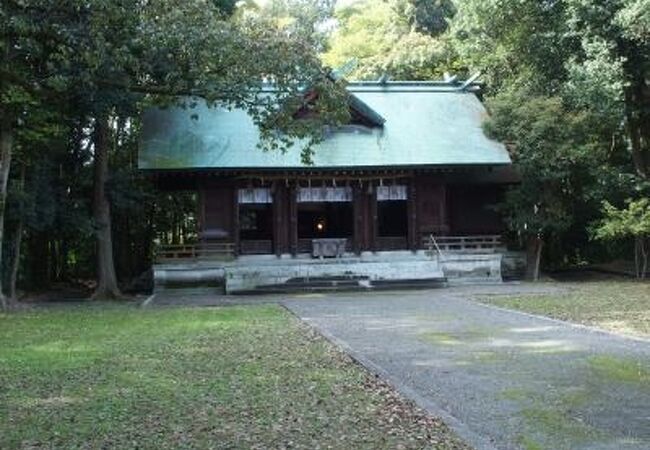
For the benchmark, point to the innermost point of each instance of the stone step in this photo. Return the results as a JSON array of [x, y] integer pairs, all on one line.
[[346, 286], [314, 275], [327, 279], [294, 289], [410, 284]]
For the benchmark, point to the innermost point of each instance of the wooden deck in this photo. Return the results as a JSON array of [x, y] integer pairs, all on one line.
[[223, 251], [226, 251]]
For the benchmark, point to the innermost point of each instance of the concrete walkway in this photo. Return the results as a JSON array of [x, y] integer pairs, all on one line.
[[502, 379]]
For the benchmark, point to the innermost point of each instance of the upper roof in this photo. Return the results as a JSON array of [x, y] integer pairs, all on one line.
[[425, 124]]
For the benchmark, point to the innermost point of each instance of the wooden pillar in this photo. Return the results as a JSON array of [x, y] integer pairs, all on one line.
[[235, 219], [201, 213], [278, 219], [411, 206], [293, 220], [358, 212], [444, 210], [373, 220]]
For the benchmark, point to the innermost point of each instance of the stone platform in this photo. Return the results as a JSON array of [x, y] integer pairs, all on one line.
[[380, 270]]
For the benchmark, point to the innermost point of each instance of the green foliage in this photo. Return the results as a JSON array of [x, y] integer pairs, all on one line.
[[554, 161], [71, 64], [378, 37], [581, 64], [514, 42], [566, 86], [169, 49], [304, 18], [632, 221], [634, 19], [596, 82], [426, 16]]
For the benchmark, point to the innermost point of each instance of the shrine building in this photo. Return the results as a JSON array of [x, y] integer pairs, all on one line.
[[404, 194]]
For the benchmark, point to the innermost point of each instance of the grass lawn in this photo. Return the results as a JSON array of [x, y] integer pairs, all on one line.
[[236, 377], [618, 306]]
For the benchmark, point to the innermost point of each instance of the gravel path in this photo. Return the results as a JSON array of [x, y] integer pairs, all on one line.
[[502, 379]]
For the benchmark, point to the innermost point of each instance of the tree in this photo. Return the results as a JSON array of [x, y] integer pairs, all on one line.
[[138, 51], [590, 59], [381, 41], [593, 54], [615, 34], [554, 162], [522, 42], [40, 127], [27, 40], [630, 222], [306, 19]]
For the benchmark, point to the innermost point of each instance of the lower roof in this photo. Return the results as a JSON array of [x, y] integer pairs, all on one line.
[[424, 127]]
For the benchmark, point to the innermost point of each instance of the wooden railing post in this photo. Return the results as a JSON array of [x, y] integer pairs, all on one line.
[[466, 243]]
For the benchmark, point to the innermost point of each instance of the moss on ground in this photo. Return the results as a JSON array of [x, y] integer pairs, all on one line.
[[436, 337], [621, 370], [559, 425], [514, 394], [469, 335], [528, 443], [552, 420]]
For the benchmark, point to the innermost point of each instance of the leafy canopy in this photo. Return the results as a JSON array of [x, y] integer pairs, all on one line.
[[631, 221], [381, 38]]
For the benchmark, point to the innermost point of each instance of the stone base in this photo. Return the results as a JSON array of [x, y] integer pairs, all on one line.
[[326, 273], [471, 268], [381, 270]]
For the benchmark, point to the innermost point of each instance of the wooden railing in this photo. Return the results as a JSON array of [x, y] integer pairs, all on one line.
[[226, 250], [214, 251], [463, 243]]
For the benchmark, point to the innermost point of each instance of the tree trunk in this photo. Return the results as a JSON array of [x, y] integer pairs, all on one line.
[[636, 111], [18, 240], [640, 154], [640, 257], [533, 257], [15, 261], [637, 262], [6, 145], [644, 266], [107, 287]]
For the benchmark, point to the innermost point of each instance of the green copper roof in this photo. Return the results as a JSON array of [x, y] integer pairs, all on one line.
[[425, 125]]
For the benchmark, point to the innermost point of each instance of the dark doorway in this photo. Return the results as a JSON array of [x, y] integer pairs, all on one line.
[[325, 220], [256, 221], [392, 218]]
